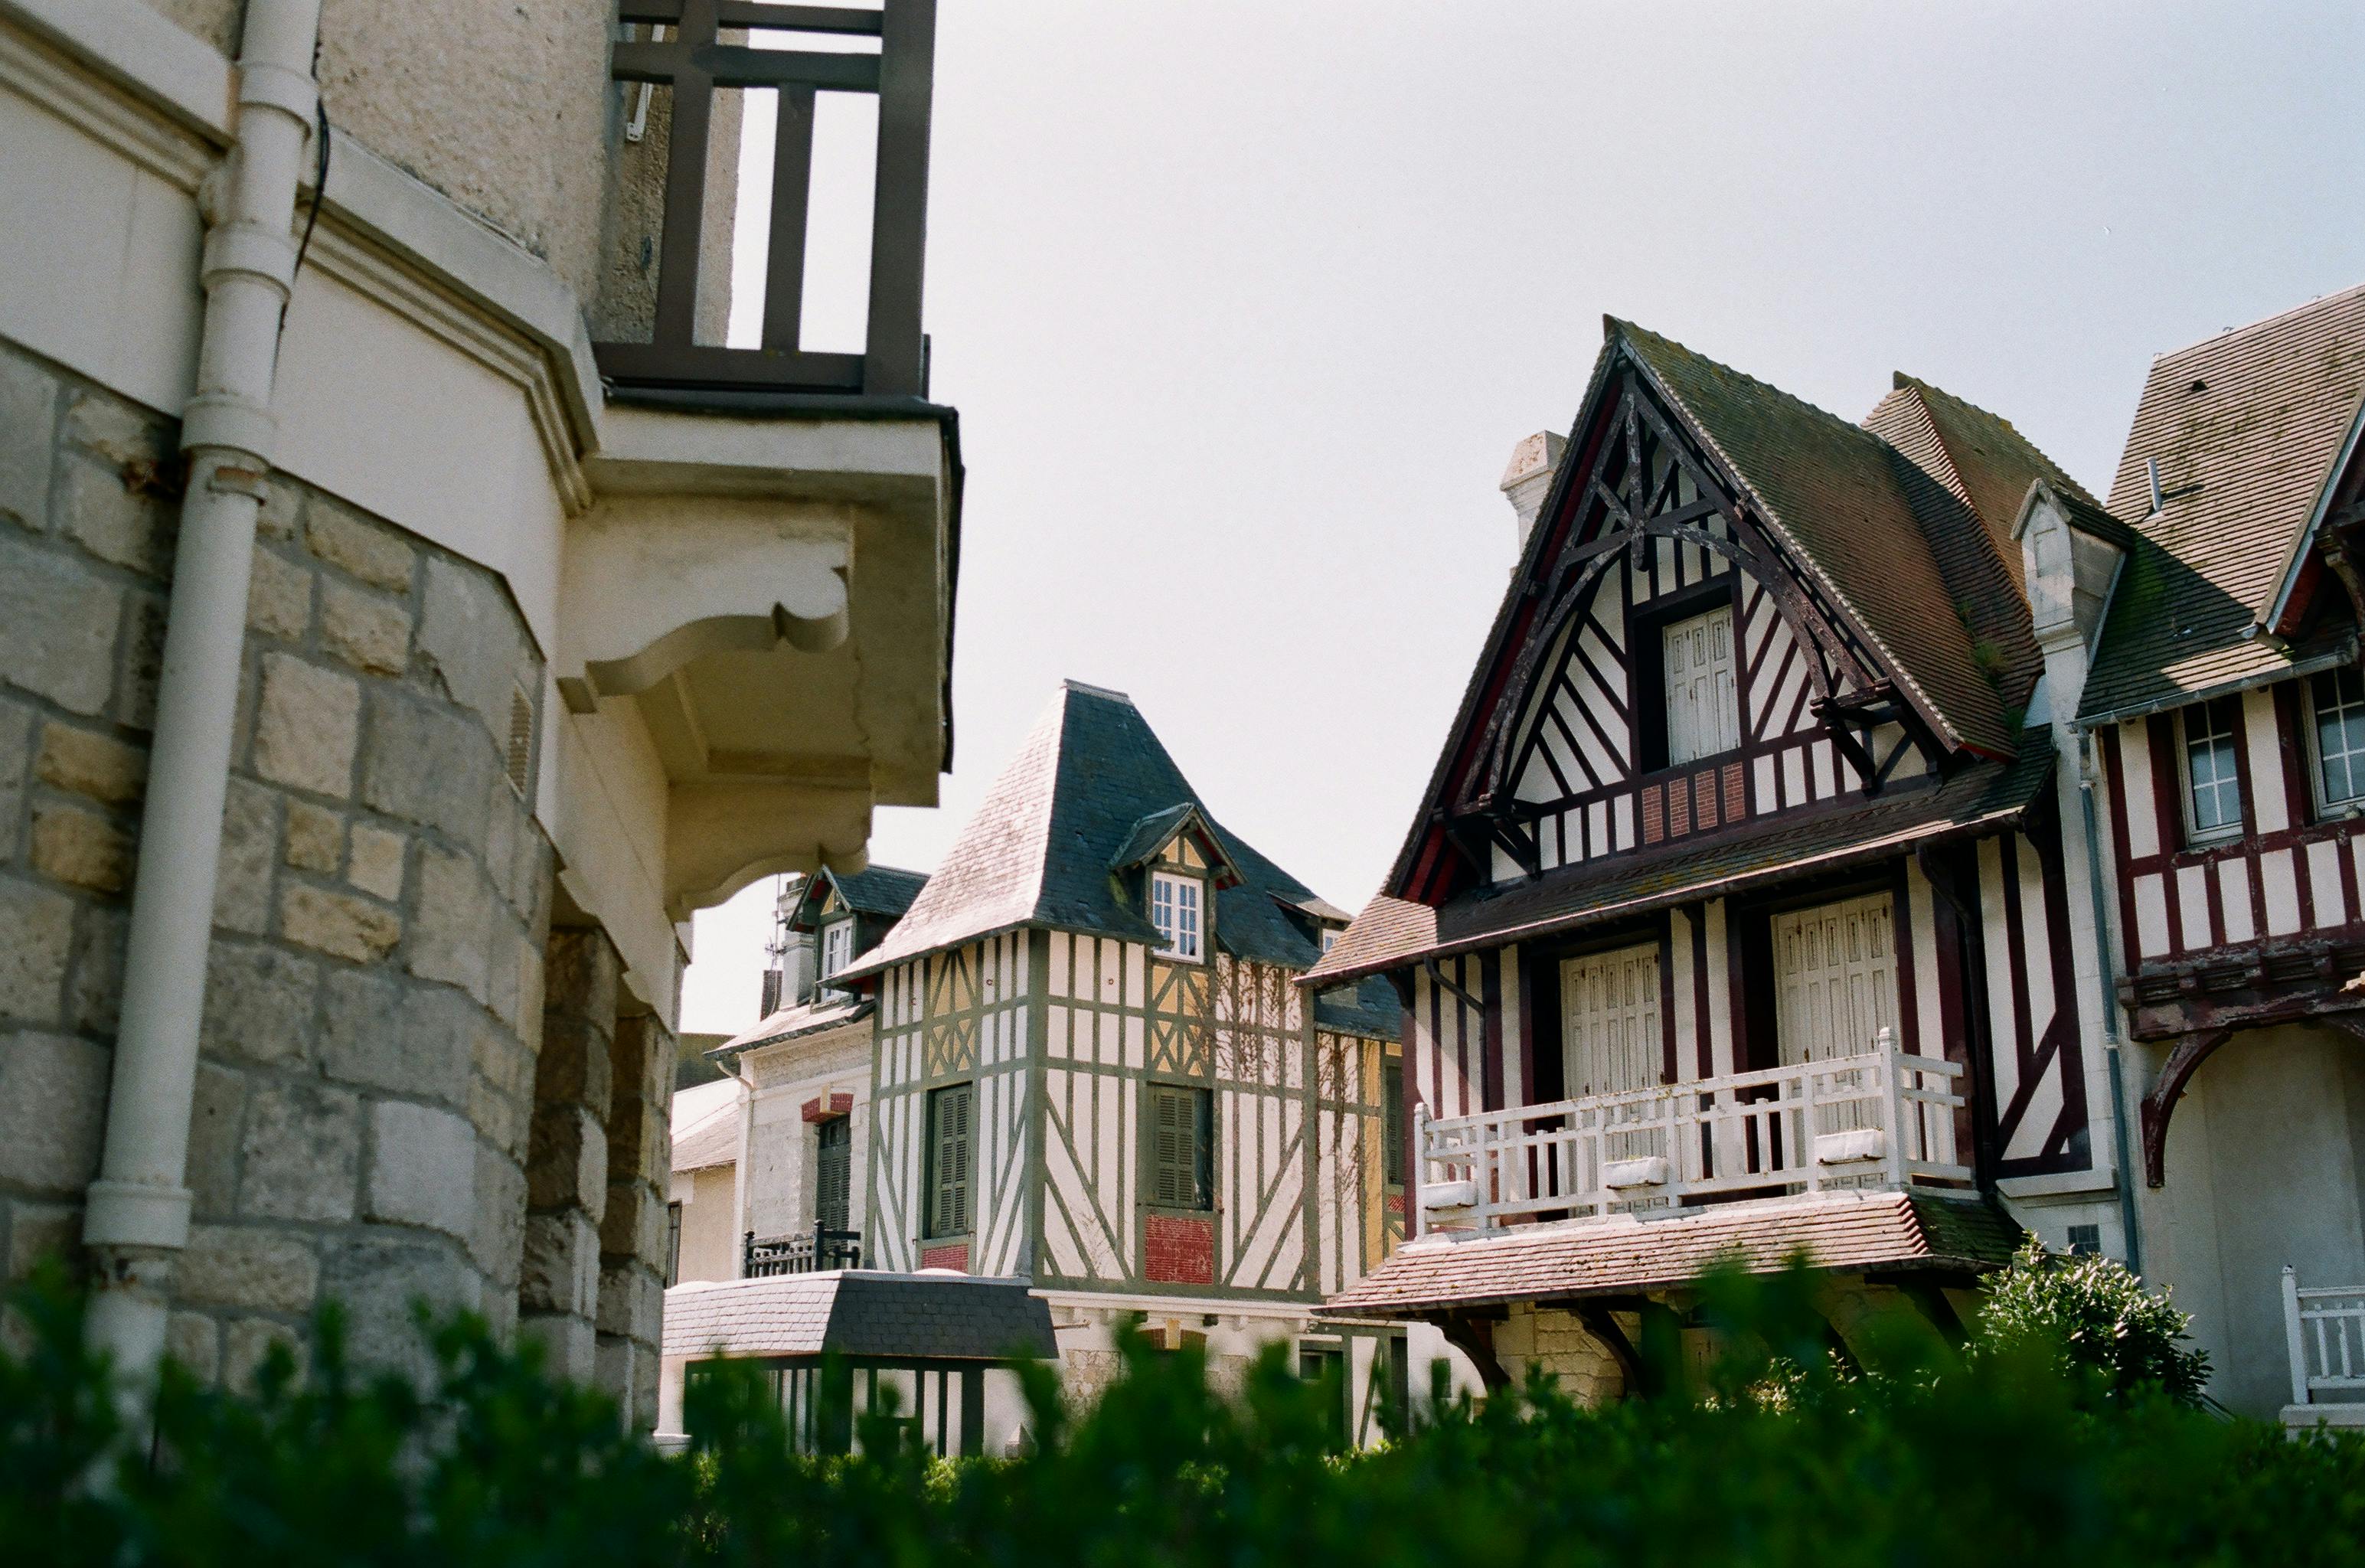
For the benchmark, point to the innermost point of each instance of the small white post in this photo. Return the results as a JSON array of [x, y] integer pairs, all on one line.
[[1892, 1063], [2295, 1334], [1419, 1225]]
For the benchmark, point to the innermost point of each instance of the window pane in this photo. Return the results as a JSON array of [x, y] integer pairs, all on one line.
[[2340, 735]]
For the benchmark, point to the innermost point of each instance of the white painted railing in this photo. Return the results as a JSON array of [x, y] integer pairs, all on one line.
[[1882, 1119], [2325, 1328]]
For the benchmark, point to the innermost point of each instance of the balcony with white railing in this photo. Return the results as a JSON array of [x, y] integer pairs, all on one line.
[[1884, 1119], [2324, 1327]]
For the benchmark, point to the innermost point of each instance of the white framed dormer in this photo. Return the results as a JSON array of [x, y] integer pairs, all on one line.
[[2209, 769], [2336, 740], [1178, 908], [1702, 693], [836, 946]]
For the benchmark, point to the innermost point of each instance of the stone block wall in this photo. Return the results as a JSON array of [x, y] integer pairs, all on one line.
[[1557, 1342], [374, 1006]]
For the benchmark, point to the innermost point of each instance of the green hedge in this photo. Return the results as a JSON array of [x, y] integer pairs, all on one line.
[[2025, 1452]]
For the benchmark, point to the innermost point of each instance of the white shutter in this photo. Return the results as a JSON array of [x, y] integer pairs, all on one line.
[[1703, 707], [1610, 1022], [1836, 976]]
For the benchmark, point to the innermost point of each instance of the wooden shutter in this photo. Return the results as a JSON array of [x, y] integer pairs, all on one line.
[[1181, 1140], [1610, 1022], [1703, 707], [1835, 977], [832, 1173], [951, 1146]]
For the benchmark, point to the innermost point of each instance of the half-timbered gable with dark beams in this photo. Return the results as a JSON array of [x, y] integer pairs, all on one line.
[[1740, 874], [2225, 716], [1095, 1069]]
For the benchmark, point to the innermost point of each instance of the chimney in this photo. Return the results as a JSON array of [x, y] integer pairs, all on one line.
[[799, 968], [1529, 479], [771, 994]]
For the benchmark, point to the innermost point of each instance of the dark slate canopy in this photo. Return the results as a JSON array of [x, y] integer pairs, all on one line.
[[858, 1311], [1048, 847]]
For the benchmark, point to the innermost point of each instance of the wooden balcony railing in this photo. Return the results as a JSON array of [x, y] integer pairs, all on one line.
[[1882, 1119], [2324, 1328], [813, 1252], [695, 64]]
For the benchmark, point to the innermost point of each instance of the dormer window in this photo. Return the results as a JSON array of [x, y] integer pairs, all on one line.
[[1330, 940], [1176, 905], [836, 948], [1703, 707]]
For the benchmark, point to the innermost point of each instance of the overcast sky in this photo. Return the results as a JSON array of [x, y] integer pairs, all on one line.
[[1243, 306]]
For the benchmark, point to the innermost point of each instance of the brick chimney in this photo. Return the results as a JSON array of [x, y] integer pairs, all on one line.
[[1529, 479]]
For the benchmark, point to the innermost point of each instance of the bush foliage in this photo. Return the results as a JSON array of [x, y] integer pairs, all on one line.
[[2016, 1453]]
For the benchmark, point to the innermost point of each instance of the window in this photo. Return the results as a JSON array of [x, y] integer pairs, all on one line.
[[1703, 710], [1174, 907], [1330, 940], [833, 1171], [2339, 737], [949, 1116], [1182, 1147], [2085, 1241], [1392, 1127], [836, 948], [673, 1245], [2213, 771]]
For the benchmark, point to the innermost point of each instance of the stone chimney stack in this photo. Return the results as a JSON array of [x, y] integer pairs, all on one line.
[[1529, 479]]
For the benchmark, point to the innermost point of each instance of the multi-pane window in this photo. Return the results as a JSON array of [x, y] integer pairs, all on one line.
[[1703, 703], [2340, 737], [1330, 940], [836, 948], [951, 1112], [1176, 904], [833, 1173], [1392, 1127], [1182, 1147], [2212, 769]]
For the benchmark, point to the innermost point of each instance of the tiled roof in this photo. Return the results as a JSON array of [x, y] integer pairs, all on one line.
[[2242, 460], [706, 1125], [1041, 847], [1391, 933], [860, 1311], [880, 889], [1833, 492], [1843, 1231]]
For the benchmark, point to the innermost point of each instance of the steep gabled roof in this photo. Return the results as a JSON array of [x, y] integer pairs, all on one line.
[[883, 893], [1045, 849], [2247, 428], [1831, 491], [1905, 522]]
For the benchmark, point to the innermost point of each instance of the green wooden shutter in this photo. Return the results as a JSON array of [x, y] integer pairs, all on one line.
[[950, 1119], [832, 1173], [1203, 1149], [1181, 1147]]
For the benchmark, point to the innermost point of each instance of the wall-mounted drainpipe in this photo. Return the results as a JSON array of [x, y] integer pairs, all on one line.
[[138, 1217], [2109, 1005]]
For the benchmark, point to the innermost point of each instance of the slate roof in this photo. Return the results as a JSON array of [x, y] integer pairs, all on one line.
[[829, 1010], [1833, 492], [883, 892], [860, 1311], [1042, 849], [1620, 1255], [1391, 933], [2244, 461]]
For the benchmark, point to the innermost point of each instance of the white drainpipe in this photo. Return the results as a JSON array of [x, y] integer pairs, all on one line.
[[137, 1217]]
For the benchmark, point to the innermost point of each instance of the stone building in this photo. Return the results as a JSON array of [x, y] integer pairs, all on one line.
[[410, 611]]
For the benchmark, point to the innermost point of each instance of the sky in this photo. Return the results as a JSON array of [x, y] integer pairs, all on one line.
[[1244, 306]]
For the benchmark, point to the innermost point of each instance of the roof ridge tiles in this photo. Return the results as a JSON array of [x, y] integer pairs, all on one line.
[[2218, 338]]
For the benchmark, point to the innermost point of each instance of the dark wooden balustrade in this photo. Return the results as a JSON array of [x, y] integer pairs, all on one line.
[[695, 64], [809, 1253]]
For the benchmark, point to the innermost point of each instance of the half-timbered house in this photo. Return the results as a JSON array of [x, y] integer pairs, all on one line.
[[2223, 726], [1094, 1070], [1736, 918]]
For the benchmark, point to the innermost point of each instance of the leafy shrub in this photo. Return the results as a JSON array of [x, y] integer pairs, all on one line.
[[1924, 1458], [2097, 1323]]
